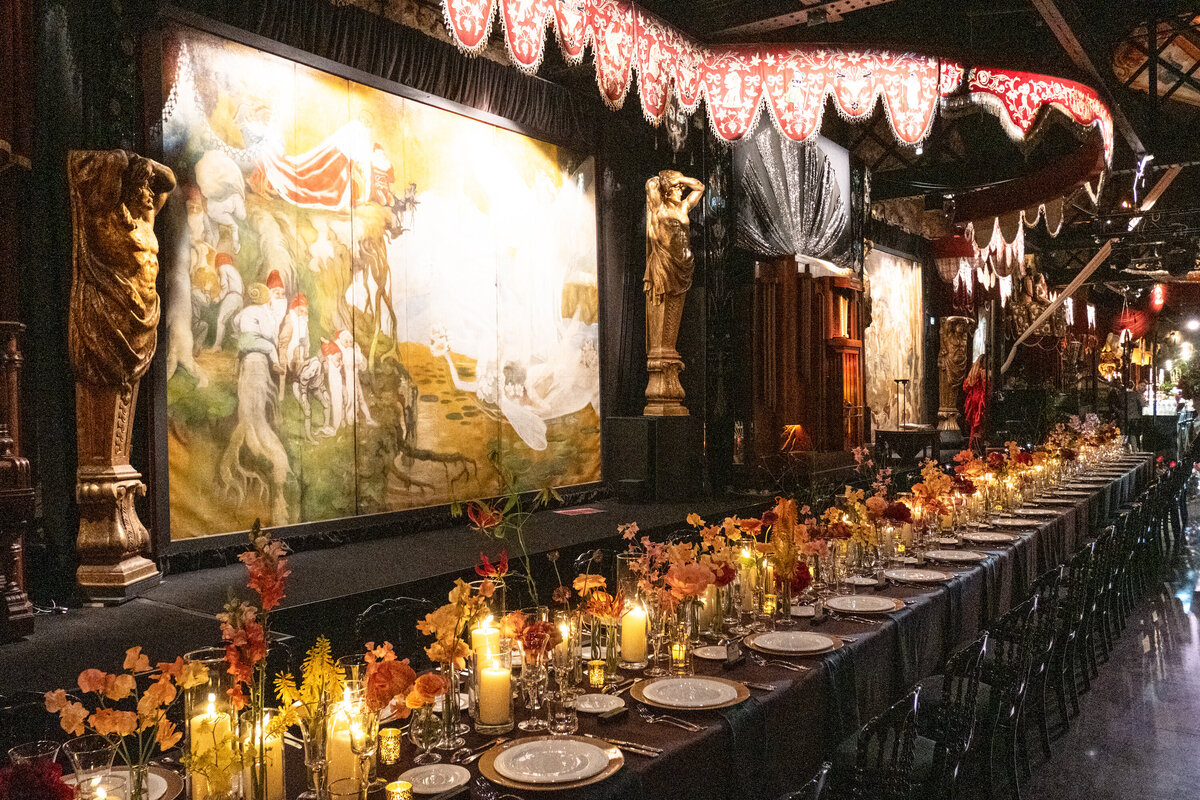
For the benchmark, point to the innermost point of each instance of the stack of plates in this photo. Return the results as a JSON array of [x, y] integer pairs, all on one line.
[[696, 693], [959, 556], [550, 763], [864, 604], [917, 575], [989, 537], [793, 643]]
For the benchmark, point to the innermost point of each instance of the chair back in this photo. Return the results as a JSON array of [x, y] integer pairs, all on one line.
[[395, 620], [886, 747], [815, 788]]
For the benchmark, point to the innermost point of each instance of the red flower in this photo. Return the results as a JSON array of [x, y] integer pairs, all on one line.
[[1068, 454], [484, 518], [964, 485], [801, 578], [267, 567], [897, 513], [562, 595], [838, 530], [996, 460], [540, 636], [485, 568], [1024, 457], [723, 574], [34, 781], [770, 517]]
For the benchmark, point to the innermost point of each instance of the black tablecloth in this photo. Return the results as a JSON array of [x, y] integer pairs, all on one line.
[[775, 740]]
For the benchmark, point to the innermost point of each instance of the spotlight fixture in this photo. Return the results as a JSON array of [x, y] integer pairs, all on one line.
[[817, 16], [1193, 325], [1178, 259]]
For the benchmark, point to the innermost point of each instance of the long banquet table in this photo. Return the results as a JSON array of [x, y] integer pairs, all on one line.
[[774, 741]]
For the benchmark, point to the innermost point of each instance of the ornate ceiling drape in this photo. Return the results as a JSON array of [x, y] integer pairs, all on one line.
[[735, 81], [792, 203]]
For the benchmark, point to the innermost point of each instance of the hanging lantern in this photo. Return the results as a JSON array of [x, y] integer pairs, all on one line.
[[1158, 296]]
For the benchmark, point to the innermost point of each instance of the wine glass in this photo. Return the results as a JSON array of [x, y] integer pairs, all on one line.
[[425, 729], [659, 621], [533, 684], [364, 736]]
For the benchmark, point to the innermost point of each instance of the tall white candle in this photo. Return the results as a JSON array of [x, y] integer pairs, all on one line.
[[272, 755], [342, 761], [495, 694], [633, 635], [485, 640], [206, 732]]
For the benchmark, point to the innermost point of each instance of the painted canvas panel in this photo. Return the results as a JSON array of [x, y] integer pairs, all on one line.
[[373, 304], [894, 342]]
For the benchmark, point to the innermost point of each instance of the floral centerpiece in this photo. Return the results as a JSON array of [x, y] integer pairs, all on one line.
[[309, 704], [135, 723], [447, 625]]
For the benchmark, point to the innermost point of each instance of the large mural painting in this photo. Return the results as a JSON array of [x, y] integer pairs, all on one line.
[[373, 304], [894, 342]]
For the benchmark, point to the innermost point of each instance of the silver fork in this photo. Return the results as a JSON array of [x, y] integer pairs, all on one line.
[[768, 662], [655, 719]]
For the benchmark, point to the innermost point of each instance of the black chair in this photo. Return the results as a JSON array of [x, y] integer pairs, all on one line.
[[395, 620], [24, 718], [947, 714], [1046, 589], [1007, 665], [1072, 605], [887, 759], [814, 789]]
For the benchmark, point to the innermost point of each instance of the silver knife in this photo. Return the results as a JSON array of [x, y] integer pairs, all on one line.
[[632, 747]]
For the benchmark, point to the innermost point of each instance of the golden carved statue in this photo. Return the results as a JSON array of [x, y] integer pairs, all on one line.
[[112, 332], [669, 267], [953, 355]]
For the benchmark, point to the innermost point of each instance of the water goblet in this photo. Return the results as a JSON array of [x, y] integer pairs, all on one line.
[[425, 729], [91, 757], [34, 752]]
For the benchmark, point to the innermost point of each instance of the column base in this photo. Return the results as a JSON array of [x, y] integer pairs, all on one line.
[[114, 584]]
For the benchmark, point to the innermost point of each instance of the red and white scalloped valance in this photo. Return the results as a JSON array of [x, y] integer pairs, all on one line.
[[735, 80]]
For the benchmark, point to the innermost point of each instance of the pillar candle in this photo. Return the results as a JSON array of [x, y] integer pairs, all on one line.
[[708, 606], [273, 755], [633, 635], [495, 694], [485, 640], [205, 732], [342, 761]]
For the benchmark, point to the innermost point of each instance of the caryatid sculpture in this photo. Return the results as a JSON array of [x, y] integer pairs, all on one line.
[[112, 333], [669, 268], [953, 357]]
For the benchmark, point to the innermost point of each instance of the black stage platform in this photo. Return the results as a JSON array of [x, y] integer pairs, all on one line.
[[326, 590]]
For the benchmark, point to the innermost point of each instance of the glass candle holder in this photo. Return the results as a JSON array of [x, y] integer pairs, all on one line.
[[596, 673], [399, 790], [633, 638], [210, 725], [390, 742], [493, 688], [111, 788], [681, 656], [91, 757], [262, 775], [34, 752]]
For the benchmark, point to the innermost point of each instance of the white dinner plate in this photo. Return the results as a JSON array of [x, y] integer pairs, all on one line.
[[1035, 512], [1075, 493], [917, 575], [551, 761], [803, 611], [791, 642], [436, 778], [710, 652], [860, 580], [463, 702], [945, 541], [599, 703], [1013, 522], [962, 556], [156, 782], [695, 692], [989, 537], [864, 604]]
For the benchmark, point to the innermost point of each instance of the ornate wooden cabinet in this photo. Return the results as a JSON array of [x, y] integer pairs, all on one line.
[[808, 365]]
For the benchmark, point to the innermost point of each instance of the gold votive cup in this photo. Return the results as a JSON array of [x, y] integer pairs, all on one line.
[[769, 604], [596, 673], [399, 790], [390, 740]]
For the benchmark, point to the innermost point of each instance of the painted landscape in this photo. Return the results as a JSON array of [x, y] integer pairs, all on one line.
[[372, 304]]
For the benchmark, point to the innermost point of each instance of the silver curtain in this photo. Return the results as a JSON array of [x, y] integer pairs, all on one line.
[[790, 201]]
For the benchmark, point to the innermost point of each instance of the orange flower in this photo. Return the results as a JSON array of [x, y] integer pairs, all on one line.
[[431, 684], [166, 735], [118, 687], [159, 693], [444, 652], [135, 661], [92, 680], [484, 518], [109, 721], [72, 718], [513, 623], [487, 588], [587, 583], [56, 701], [689, 580], [387, 680]]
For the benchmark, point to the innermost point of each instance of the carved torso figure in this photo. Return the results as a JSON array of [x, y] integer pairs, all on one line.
[[669, 260], [114, 306]]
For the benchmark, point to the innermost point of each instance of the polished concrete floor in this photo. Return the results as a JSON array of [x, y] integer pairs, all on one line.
[[1137, 736]]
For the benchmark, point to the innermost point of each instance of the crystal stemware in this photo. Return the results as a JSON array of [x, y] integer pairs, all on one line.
[[533, 685], [425, 729], [91, 757]]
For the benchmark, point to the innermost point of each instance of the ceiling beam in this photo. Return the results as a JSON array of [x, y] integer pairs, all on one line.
[[1078, 53], [808, 10]]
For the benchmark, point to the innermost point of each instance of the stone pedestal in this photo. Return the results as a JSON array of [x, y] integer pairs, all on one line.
[[112, 540], [664, 393]]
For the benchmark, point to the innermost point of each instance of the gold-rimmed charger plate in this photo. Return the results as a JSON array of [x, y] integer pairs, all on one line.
[[638, 692], [849, 600], [164, 784], [487, 764], [837, 645]]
